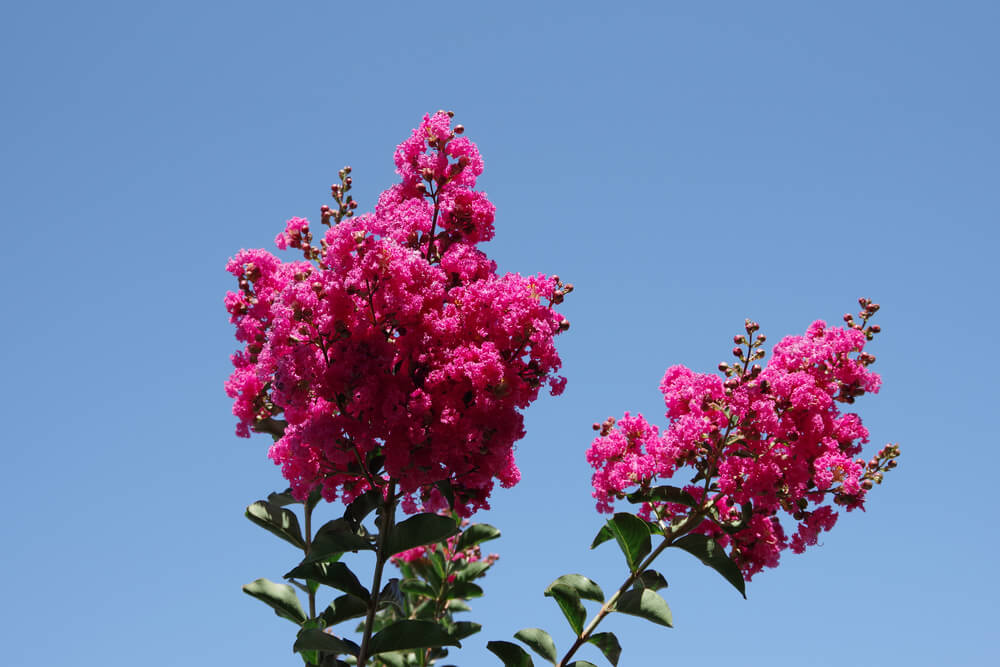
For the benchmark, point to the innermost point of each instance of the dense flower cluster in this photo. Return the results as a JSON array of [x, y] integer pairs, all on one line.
[[394, 351], [759, 442]]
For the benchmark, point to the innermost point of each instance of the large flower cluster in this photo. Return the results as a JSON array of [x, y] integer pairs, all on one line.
[[759, 443], [394, 351]]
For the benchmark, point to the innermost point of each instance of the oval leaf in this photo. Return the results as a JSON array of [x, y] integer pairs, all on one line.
[[569, 601], [603, 535], [361, 507], [465, 590], [608, 643], [420, 529], [632, 535], [711, 554], [276, 520], [538, 641], [405, 635], [651, 579], [510, 653], [316, 640], [463, 629], [584, 587], [343, 608], [335, 575], [581, 663], [279, 597], [335, 537], [645, 604], [475, 534]]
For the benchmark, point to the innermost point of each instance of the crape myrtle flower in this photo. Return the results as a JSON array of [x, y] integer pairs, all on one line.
[[394, 352], [761, 444]]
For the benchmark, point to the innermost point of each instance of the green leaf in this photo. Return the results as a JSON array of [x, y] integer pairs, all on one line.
[[581, 663], [510, 653], [608, 643], [315, 496], [391, 595], [475, 534], [406, 634], [711, 554], [393, 659], [647, 604], [361, 507], [569, 601], [465, 590], [336, 575], [280, 597], [584, 587], [458, 605], [282, 499], [277, 520], [463, 629], [470, 571], [316, 640], [538, 641], [603, 535], [632, 535], [417, 587], [651, 579], [343, 608], [663, 494], [333, 538], [420, 529]]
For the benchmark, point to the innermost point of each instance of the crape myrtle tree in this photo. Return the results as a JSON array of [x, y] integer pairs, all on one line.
[[391, 365]]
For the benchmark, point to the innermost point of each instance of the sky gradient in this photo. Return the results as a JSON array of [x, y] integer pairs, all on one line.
[[685, 165]]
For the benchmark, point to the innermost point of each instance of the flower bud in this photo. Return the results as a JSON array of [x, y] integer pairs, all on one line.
[[459, 129], [723, 366], [740, 339]]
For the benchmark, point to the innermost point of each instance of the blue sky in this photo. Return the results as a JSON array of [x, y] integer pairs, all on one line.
[[685, 165]]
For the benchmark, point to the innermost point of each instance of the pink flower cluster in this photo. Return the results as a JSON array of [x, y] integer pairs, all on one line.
[[472, 554], [394, 351], [759, 443]]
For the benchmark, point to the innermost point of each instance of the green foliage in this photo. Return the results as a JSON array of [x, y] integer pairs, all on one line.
[[418, 530], [335, 575], [711, 554], [279, 597], [632, 535], [538, 641], [663, 494], [277, 520], [608, 643], [570, 604], [510, 654], [645, 603], [407, 634]]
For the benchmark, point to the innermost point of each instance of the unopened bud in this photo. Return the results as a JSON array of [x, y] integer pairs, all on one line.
[[723, 366], [737, 352], [564, 325], [353, 204], [740, 339], [347, 169], [459, 129]]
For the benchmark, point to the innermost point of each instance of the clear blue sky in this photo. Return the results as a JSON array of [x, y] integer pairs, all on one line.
[[684, 164]]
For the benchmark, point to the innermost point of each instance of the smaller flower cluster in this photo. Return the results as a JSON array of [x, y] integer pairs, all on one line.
[[449, 550], [761, 443]]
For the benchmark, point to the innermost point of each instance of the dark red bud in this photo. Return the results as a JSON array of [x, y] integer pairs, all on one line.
[[459, 129]]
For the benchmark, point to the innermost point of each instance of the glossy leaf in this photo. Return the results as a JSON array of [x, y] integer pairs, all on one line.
[[458, 605], [651, 579], [316, 640], [276, 520], [417, 587], [465, 590], [570, 604], [407, 634], [420, 529], [584, 587], [282, 499], [393, 659], [538, 641], [647, 604], [632, 535], [663, 494], [608, 643], [333, 538], [463, 629], [603, 535], [279, 597], [711, 554], [510, 653], [335, 575], [361, 507], [343, 608], [475, 534], [581, 663], [446, 490], [470, 571]]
